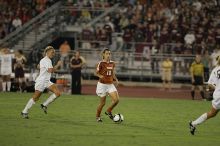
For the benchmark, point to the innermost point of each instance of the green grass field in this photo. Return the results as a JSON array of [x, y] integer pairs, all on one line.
[[71, 122]]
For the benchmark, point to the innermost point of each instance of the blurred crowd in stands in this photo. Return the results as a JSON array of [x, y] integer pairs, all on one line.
[[15, 13], [170, 26], [183, 26]]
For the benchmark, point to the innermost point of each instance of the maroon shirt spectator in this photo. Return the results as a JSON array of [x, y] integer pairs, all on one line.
[[199, 36], [87, 34], [149, 34], [127, 36], [164, 36], [178, 49], [103, 36], [210, 37]]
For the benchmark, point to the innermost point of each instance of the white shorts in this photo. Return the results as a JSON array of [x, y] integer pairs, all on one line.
[[6, 72], [104, 89], [216, 103], [41, 86]]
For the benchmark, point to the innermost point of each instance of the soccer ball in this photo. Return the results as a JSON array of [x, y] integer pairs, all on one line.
[[118, 118]]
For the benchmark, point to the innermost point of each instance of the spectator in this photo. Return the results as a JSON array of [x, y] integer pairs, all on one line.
[[64, 52], [109, 28], [154, 58], [86, 37], [167, 66], [119, 42], [177, 61], [127, 38], [206, 61], [16, 23], [189, 38], [20, 61], [6, 68], [76, 64], [197, 76]]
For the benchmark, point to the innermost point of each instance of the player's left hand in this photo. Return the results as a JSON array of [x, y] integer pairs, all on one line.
[[116, 83], [59, 63]]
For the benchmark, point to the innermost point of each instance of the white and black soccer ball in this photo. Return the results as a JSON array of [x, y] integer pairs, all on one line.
[[118, 118]]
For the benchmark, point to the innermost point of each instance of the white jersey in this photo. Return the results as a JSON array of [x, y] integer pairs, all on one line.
[[214, 80], [44, 75], [6, 64]]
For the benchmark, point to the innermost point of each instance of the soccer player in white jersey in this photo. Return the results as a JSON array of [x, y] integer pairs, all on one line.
[[43, 81], [6, 68], [214, 84]]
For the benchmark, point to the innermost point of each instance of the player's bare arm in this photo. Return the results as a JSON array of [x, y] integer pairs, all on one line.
[[55, 68], [211, 87], [98, 74], [115, 78], [38, 66]]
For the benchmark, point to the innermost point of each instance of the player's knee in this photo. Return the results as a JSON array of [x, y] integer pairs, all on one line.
[[116, 101], [35, 99], [102, 103], [214, 114], [57, 93]]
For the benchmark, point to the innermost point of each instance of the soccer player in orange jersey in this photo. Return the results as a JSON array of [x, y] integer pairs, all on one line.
[[106, 73]]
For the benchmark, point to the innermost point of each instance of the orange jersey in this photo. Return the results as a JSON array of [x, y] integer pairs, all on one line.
[[106, 69]]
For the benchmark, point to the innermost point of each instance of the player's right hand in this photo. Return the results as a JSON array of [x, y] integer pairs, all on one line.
[[59, 63]]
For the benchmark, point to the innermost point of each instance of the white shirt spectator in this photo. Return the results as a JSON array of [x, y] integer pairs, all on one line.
[[6, 64], [45, 64], [17, 22], [189, 38], [197, 5]]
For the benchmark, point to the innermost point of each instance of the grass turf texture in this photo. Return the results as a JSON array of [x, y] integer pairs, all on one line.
[[71, 121]]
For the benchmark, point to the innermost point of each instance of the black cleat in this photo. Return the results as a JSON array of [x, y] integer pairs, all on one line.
[[98, 119], [109, 114], [44, 108], [24, 115], [192, 128]]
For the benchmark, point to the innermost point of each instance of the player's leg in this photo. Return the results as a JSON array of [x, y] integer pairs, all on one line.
[[212, 113], [205, 116], [101, 90], [56, 93], [192, 125], [99, 108], [30, 103], [115, 100]]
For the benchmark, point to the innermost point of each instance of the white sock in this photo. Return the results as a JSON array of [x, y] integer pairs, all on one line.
[[3, 86], [50, 99], [28, 105], [8, 86], [200, 120]]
